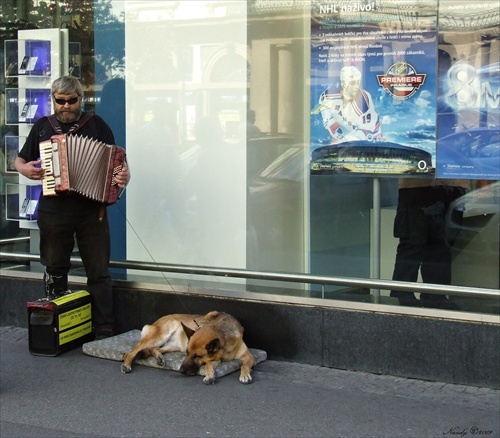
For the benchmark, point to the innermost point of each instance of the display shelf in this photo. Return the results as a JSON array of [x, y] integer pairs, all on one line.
[[11, 61], [35, 58], [21, 201], [75, 60], [13, 145], [27, 57], [26, 105], [11, 106]]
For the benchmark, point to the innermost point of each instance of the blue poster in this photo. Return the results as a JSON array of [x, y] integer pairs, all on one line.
[[373, 87], [468, 144]]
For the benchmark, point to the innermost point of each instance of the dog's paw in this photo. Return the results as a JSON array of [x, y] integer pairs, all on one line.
[[125, 368], [160, 360], [209, 380], [245, 379]]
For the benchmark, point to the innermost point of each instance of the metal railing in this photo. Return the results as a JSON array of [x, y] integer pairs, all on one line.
[[14, 240], [376, 284]]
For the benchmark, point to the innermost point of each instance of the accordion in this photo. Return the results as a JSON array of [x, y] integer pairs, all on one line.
[[83, 165]]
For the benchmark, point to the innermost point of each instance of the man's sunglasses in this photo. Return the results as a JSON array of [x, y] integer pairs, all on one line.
[[71, 101]]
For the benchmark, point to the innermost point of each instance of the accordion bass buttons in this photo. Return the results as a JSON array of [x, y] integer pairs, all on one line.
[[116, 171]]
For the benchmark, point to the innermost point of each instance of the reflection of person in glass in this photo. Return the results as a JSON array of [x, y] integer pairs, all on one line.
[[423, 245], [348, 111], [252, 129]]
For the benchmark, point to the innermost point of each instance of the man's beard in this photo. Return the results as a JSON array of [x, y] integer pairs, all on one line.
[[68, 115]]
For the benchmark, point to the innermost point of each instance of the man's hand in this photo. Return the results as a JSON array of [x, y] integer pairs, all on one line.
[[29, 169], [122, 178]]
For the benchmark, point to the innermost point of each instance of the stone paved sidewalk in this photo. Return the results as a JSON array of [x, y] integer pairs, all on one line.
[[75, 395]]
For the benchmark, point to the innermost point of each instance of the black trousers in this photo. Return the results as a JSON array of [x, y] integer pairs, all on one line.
[[423, 245], [57, 241]]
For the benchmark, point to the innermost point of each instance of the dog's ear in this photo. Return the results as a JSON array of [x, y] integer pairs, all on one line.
[[189, 332], [213, 346]]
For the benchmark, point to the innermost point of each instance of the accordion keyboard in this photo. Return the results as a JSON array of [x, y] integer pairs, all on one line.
[[49, 180]]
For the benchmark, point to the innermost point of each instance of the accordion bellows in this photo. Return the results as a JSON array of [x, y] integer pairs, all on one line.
[[82, 165]]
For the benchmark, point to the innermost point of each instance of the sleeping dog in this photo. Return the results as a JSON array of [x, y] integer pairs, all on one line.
[[207, 340]]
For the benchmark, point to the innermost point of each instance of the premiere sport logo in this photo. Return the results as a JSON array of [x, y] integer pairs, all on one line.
[[401, 80]]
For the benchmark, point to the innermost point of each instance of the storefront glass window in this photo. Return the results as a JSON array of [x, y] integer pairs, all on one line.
[[246, 153]]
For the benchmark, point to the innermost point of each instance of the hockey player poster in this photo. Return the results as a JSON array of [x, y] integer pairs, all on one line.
[[468, 144], [373, 85]]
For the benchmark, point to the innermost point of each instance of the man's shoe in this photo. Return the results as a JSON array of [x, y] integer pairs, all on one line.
[[406, 298], [57, 293], [409, 301], [442, 303], [103, 331]]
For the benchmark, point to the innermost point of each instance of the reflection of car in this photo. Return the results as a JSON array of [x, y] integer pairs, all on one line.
[[473, 151], [371, 157], [276, 172], [473, 220]]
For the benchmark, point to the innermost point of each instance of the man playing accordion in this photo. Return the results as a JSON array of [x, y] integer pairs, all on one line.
[[63, 218]]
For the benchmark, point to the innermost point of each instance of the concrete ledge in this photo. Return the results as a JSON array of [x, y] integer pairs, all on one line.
[[427, 348]]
